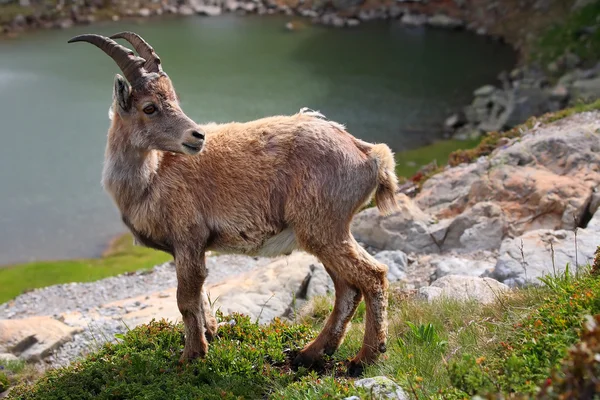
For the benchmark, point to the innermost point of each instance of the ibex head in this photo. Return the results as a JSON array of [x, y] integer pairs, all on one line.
[[145, 100]]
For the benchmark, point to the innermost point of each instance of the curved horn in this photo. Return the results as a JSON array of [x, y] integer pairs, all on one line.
[[128, 62], [143, 48]]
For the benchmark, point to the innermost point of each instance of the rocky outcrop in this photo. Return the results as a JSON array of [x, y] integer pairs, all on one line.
[[525, 93], [525, 259], [535, 189], [34, 338]]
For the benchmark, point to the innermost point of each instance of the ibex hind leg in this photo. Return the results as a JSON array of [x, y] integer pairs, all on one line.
[[347, 298], [354, 269]]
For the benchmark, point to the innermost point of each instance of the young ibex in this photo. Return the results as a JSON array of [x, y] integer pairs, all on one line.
[[264, 187]]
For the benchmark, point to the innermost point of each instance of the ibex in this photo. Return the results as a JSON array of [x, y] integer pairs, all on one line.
[[265, 187]]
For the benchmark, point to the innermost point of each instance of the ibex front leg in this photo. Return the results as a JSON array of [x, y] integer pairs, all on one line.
[[191, 274]]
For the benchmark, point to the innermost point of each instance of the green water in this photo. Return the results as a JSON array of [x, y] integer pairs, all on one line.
[[387, 83]]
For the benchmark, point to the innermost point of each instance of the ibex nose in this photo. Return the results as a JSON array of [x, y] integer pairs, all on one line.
[[198, 135]]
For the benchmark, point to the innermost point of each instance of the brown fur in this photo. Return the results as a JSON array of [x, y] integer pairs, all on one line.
[[262, 187]]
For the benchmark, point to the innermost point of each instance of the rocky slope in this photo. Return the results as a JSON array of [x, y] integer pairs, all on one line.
[[530, 207]]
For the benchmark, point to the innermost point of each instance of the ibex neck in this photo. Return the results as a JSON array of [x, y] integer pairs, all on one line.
[[128, 174]]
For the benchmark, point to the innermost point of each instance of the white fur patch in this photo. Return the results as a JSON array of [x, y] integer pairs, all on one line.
[[317, 114], [282, 243], [111, 113]]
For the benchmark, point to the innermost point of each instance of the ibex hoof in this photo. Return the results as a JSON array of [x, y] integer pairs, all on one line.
[[382, 348], [355, 369], [306, 361], [210, 329], [190, 356]]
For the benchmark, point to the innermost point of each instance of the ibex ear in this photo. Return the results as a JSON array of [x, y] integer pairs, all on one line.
[[122, 93]]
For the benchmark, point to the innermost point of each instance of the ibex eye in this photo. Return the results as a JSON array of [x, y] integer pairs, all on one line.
[[150, 109]]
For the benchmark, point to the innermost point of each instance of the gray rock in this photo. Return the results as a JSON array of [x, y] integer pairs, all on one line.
[[444, 21], [382, 387], [212, 11], [407, 230], [451, 265], [19, 20], [518, 105], [458, 287], [481, 227], [454, 121], [319, 283], [4, 357], [485, 91], [352, 22], [586, 90], [451, 188], [525, 259], [396, 260], [64, 24], [144, 12], [414, 19], [186, 10]]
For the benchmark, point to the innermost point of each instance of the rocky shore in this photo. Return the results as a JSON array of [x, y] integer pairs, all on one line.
[[528, 209]]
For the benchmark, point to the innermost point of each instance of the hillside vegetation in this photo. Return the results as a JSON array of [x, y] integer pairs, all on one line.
[[441, 350]]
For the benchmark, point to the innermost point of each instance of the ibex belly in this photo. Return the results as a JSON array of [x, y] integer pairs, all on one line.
[[281, 243]]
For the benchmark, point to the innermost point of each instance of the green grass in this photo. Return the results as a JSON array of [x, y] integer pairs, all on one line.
[[122, 257], [566, 36], [408, 162], [440, 350]]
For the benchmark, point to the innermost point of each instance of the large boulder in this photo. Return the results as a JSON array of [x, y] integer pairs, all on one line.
[[525, 259], [408, 230], [481, 227], [459, 287], [35, 338], [543, 180], [447, 194]]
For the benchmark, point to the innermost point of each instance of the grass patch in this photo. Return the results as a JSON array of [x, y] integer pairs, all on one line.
[[409, 162], [440, 350], [121, 257], [574, 34]]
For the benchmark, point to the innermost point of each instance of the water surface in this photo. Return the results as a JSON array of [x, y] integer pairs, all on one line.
[[387, 83]]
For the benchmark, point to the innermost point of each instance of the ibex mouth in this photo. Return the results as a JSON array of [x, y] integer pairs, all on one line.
[[192, 149]]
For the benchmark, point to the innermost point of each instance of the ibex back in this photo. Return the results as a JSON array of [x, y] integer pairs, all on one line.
[[265, 187]]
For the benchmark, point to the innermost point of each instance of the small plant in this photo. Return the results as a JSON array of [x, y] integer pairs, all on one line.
[[4, 383], [581, 369], [469, 375], [426, 334]]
